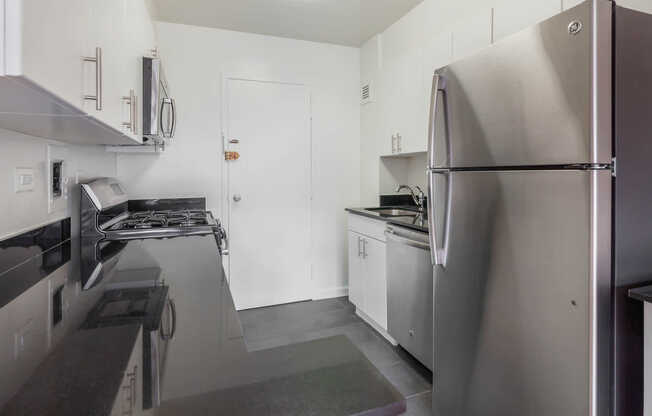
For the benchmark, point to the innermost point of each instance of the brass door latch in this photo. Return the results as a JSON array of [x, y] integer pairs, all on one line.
[[231, 155]]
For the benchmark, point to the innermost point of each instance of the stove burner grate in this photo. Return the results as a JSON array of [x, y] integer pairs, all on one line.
[[160, 219]]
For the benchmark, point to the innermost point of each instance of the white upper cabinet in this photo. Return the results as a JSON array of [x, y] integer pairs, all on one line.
[[511, 16], [69, 68], [105, 35], [471, 34], [404, 104], [43, 46], [140, 41], [403, 99], [567, 4]]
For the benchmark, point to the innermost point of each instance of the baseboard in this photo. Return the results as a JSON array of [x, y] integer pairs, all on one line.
[[375, 326], [334, 292]]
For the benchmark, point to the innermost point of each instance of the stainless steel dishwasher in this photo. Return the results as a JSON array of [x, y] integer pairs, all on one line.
[[409, 292]]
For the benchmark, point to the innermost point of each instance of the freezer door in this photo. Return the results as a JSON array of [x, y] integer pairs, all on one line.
[[513, 321], [539, 97]]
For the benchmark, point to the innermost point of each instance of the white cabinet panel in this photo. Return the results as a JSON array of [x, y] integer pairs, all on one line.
[[139, 31], [511, 16], [375, 293], [367, 268], [438, 52], [405, 103], [106, 31], [44, 43], [356, 275], [472, 34], [567, 4]]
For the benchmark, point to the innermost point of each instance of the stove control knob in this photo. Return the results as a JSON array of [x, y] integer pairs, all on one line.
[[237, 197]]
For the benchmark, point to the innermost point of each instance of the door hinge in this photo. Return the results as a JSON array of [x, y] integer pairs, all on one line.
[[613, 167]]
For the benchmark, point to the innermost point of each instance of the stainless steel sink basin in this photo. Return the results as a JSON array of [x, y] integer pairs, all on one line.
[[394, 212]]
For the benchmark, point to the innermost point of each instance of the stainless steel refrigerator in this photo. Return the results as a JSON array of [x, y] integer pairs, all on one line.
[[540, 186]]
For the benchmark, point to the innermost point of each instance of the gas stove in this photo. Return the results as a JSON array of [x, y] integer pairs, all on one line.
[[157, 219], [107, 224], [105, 215], [159, 224]]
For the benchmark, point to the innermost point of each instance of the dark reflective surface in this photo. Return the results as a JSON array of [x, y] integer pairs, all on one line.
[[208, 369], [417, 221], [20, 248], [17, 280]]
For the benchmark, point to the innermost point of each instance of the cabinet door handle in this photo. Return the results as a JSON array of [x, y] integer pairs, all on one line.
[[359, 247], [399, 141], [133, 111], [364, 248], [97, 59], [133, 390]]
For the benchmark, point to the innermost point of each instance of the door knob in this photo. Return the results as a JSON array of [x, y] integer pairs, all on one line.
[[237, 197]]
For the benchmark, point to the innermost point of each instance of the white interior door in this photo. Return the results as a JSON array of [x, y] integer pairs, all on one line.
[[268, 124]]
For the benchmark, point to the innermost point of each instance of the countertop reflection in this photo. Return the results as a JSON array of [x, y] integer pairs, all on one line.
[[208, 368]]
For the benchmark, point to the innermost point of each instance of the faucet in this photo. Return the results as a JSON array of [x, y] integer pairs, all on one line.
[[418, 200]]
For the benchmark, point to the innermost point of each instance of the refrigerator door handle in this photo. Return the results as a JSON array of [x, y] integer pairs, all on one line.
[[438, 255], [438, 84]]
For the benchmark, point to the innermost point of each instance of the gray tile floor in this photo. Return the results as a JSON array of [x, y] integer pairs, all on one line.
[[303, 321]]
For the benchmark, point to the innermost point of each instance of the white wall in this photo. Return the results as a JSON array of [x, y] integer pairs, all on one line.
[[27, 210], [195, 59], [436, 32]]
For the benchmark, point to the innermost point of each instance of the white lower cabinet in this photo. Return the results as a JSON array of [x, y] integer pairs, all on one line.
[[129, 401], [367, 270], [356, 271], [375, 289]]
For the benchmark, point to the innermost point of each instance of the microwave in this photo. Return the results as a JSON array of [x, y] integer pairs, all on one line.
[[159, 109]]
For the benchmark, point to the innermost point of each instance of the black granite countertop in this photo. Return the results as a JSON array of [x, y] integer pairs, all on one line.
[[81, 377], [643, 294], [208, 370], [417, 222]]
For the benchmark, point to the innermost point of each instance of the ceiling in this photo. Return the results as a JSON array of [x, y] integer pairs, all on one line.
[[342, 22]]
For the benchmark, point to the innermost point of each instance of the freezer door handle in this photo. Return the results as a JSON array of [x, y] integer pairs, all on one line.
[[438, 85], [438, 254]]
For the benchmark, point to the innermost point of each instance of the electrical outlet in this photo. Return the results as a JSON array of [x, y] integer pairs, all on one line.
[[24, 180], [57, 178]]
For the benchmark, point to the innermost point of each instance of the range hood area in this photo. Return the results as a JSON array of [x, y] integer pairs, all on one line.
[[30, 109]]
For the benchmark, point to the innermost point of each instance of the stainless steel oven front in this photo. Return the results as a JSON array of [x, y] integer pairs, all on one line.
[[159, 108]]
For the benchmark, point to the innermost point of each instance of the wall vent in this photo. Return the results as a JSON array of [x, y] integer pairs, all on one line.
[[366, 93]]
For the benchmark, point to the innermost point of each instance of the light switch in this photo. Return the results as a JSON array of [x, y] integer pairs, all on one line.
[[24, 180]]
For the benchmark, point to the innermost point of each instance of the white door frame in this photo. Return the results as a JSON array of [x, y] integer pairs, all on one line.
[[225, 191]]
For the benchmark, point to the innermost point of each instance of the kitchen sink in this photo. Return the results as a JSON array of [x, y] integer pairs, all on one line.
[[394, 212]]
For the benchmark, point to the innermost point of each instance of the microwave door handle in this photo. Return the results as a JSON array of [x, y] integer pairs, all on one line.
[[160, 119], [173, 109], [164, 103]]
